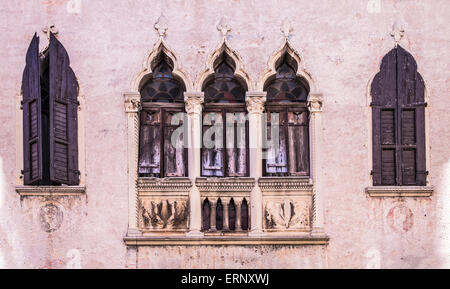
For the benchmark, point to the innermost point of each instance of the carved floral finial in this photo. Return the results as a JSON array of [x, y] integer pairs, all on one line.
[[397, 32], [50, 29], [286, 28], [224, 27], [161, 26]]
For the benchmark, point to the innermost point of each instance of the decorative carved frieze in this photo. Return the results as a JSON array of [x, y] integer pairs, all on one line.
[[287, 213], [163, 214], [150, 185], [285, 184], [225, 184]]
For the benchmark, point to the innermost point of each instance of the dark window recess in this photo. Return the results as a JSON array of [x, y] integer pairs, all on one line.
[[162, 152], [286, 105], [398, 121], [225, 123], [50, 90]]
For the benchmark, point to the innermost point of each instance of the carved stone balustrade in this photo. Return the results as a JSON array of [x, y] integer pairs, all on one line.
[[225, 204]]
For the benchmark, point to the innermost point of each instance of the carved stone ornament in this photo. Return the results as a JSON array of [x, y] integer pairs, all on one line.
[[132, 103], [50, 29], [224, 27], [397, 32], [315, 102], [193, 103], [161, 26], [50, 217], [255, 102], [287, 215], [169, 214], [286, 28]]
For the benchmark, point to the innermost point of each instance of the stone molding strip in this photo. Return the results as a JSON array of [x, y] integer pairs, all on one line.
[[163, 185], [227, 240], [271, 184], [50, 190], [400, 191], [239, 184]]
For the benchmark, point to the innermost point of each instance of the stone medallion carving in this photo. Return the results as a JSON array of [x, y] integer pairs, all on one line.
[[50, 217]]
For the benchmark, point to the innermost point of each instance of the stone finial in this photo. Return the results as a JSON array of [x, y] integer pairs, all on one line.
[[161, 26], [397, 32], [286, 28], [224, 27], [50, 29]]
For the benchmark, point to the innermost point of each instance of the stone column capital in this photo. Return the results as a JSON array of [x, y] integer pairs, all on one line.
[[255, 101], [132, 102], [315, 102], [193, 102]]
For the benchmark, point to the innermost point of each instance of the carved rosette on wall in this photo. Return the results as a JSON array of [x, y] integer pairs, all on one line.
[[163, 204]]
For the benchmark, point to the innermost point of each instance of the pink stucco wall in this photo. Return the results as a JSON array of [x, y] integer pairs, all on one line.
[[341, 42]]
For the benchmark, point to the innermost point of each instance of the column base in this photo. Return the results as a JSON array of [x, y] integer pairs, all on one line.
[[256, 233], [133, 232], [195, 234]]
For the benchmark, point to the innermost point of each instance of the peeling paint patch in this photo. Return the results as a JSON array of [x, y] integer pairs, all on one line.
[[400, 218]]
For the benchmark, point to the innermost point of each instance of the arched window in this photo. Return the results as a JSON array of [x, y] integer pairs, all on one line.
[[225, 127], [161, 144], [50, 105], [398, 121], [287, 117]]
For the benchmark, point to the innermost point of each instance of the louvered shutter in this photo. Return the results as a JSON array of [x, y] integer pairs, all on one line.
[[63, 107], [384, 95], [411, 98], [32, 130], [398, 121]]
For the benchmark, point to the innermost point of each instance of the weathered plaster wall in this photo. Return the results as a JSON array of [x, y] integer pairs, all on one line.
[[341, 42]]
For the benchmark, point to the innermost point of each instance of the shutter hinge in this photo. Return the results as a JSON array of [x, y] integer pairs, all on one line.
[[22, 172], [371, 172], [78, 103], [425, 104], [371, 104], [21, 104]]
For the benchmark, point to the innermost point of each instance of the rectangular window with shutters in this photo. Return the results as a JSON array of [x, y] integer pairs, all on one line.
[[291, 157], [161, 144], [226, 130], [50, 91]]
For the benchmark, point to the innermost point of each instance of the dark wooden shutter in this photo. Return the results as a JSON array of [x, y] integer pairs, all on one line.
[[32, 129], [398, 121], [150, 143], [63, 117], [411, 99]]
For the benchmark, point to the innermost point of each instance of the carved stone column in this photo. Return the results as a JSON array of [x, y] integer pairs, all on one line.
[[315, 107], [132, 107], [193, 101], [225, 202], [238, 204], [213, 214], [255, 107]]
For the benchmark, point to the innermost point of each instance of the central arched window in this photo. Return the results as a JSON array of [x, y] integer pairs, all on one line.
[[225, 126], [287, 117], [161, 148]]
